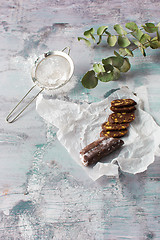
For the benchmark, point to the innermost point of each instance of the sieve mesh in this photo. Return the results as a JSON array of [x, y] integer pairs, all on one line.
[[53, 71]]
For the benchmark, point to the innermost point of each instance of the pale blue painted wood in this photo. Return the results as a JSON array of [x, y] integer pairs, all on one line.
[[44, 194]]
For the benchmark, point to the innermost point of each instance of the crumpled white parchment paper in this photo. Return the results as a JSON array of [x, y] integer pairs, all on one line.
[[80, 124]]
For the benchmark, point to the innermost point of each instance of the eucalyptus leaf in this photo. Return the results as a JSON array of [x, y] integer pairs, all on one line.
[[110, 75], [88, 43], [116, 73], [114, 61], [142, 50], [108, 68], [100, 39], [158, 34], [123, 41], [154, 43], [112, 39], [126, 65], [117, 54], [137, 43], [129, 52], [158, 31], [119, 29], [89, 33], [105, 77], [106, 61], [101, 30], [125, 52], [131, 26], [93, 37], [137, 34], [89, 80], [145, 39], [122, 51], [97, 67], [108, 33], [141, 47], [149, 27]]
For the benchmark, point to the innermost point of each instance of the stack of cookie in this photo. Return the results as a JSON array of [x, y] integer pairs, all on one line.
[[118, 121]]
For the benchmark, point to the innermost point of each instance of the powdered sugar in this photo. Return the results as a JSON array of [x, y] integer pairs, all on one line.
[[53, 71]]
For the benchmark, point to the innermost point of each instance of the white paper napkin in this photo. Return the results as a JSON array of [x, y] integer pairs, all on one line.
[[80, 124]]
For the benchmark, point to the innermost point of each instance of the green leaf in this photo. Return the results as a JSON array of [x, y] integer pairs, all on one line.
[[106, 61], [112, 39], [100, 39], [158, 34], [122, 51], [126, 65], [141, 47], [131, 26], [119, 29], [145, 39], [158, 31], [142, 50], [93, 37], [101, 30], [129, 52], [137, 34], [149, 27], [136, 42], [125, 52], [108, 33], [112, 73], [116, 73], [123, 41], [97, 67], [117, 54], [89, 33], [114, 61], [108, 68], [105, 77], [154, 43], [88, 43], [89, 80]]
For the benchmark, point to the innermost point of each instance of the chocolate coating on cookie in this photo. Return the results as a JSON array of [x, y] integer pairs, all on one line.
[[114, 134], [114, 126], [121, 117], [123, 109], [123, 102]]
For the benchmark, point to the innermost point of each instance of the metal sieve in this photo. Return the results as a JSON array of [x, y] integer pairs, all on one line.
[[51, 71]]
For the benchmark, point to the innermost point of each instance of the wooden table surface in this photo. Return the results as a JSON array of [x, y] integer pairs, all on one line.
[[44, 194]]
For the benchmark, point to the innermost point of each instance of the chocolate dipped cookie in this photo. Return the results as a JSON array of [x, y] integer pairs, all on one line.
[[114, 133], [98, 149], [121, 117], [123, 102], [114, 126], [123, 109]]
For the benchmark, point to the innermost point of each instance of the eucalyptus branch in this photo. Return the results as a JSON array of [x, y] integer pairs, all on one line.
[[111, 67]]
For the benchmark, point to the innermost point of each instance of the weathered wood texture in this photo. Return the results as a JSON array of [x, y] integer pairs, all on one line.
[[44, 194]]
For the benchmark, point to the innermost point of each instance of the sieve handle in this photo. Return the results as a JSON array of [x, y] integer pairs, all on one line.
[[65, 49], [10, 114]]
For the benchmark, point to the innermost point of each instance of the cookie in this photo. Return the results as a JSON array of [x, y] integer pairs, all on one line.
[[114, 126], [123, 102], [114, 134], [121, 117], [123, 109], [98, 149]]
